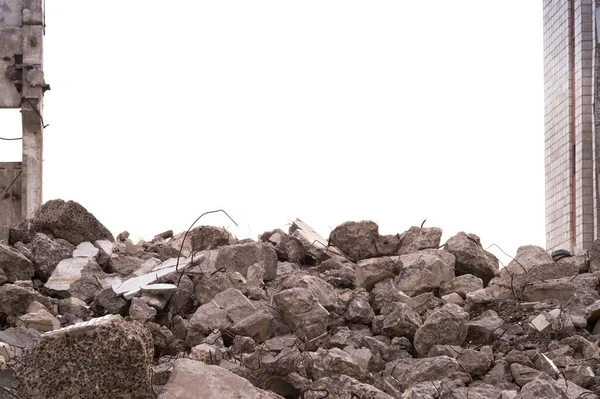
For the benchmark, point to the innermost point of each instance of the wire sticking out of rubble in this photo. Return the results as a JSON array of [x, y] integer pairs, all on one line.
[[192, 226]]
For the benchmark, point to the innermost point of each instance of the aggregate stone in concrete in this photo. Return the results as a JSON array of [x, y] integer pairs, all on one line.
[[105, 358]]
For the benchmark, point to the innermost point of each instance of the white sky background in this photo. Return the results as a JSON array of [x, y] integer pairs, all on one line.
[[393, 111]]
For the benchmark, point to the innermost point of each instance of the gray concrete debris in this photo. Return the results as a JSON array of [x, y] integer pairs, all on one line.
[[294, 315], [86, 250], [369, 272], [104, 358], [47, 253], [361, 240], [78, 277], [14, 265], [419, 238], [471, 258], [422, 272], [314, 244], [303, 312], [69, 220], [194, 379], [446, 325]]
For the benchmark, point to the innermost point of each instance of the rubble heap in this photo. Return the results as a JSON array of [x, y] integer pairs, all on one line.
[[291, 315]]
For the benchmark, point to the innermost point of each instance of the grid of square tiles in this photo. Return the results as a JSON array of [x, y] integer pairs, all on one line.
[[584, 132], [557, 123]]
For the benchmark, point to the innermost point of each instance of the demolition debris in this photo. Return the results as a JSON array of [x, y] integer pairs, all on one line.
[[292, 315]]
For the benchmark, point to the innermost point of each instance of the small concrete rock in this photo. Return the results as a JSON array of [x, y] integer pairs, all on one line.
[[471, 257], [14, 264], [419, 238], [445, 326], [193, 379]]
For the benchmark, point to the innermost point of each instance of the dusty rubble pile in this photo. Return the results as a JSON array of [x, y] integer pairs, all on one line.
[[292, 315]]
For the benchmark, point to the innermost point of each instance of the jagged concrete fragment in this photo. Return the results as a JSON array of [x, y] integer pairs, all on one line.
[[400, 320], [171, 267], [340, 385], [408, 372], [422, 272], [105, 248], [14, 300], [239, 257], [540, 388], [445, 326], [47, 253], [358, 309], [322, 291], [69, 220], [418, 238], [471, 258], [485, 329], [38, 318], [333, 362], [106, 358], [371, 271], [86, 250], [124, 264], [462, 285], [226, 309], [560, 289], [315, 245], [361, 240], [338, 271], [14, 265], [384, 293], [303, 313], [193, 379], [78, 277]]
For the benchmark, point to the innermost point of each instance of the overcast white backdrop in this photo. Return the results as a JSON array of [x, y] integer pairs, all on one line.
[[393, 111]]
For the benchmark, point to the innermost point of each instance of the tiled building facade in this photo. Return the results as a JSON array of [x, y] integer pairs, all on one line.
[[570, 144]]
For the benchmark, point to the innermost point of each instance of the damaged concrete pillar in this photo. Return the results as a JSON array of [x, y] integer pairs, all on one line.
[[22, 86]]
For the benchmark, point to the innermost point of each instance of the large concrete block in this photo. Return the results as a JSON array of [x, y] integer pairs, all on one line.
[[105, 358]]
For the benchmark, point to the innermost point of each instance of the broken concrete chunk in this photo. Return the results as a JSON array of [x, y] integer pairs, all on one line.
[[14, 264], [485, 329], [302, 312], [226, 309], [539, 388], [47, 253], [422, 272], [445, 326], [38, 318], [69, 220], [239, 257], [99, 359], [315, 245], [124, 264], [359, 240], [358, 309], [193, 379], [86, 250], [419, 238], [400, 320], [333, 362], [471, 258], [323, 292], [78, 277], [340, 385], [409, 372], [523, 374], [371, 271], [462, 285], [14, 300]]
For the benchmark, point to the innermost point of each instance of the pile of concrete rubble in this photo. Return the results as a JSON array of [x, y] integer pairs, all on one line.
[[291, 315]]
